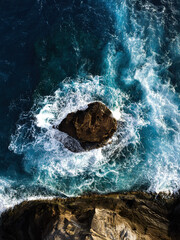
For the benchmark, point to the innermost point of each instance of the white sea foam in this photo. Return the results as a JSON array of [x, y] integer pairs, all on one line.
[[45, 153], [145, 149], [163, 158]]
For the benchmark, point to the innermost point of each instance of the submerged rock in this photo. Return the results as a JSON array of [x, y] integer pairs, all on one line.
[[92, 127], [131, 216]]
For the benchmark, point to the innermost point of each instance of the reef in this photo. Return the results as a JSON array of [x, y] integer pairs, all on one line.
[[134, 215]]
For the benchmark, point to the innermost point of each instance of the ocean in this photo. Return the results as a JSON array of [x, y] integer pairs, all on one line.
[[56, 56]]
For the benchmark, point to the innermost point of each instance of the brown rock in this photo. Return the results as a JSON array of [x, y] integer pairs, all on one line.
[[92, 127], [131, 216]]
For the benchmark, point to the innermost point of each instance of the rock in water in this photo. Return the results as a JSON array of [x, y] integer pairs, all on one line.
[[92, 127]]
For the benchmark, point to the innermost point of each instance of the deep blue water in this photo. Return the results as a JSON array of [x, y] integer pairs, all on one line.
[[56, 57]]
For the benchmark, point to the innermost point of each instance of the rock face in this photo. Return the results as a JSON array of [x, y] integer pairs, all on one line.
[[132, 216], [92, 127]]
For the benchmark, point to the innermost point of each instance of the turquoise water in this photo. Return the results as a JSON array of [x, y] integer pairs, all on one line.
[[125, 54]]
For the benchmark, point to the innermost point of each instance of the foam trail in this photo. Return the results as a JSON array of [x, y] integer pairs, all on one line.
[[144, 46]]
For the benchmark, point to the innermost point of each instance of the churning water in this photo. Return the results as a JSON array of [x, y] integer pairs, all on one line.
[[129, 61]]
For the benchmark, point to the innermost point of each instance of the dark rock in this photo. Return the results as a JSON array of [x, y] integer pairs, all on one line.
[[92, 127], [135, 215]]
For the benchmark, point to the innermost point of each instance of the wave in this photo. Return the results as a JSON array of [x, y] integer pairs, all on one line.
[[137, 85]]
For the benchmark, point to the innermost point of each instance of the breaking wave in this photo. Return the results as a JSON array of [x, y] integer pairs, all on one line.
[[137, 85]]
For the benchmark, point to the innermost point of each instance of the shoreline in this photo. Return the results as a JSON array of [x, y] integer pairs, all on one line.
[[138, 215]]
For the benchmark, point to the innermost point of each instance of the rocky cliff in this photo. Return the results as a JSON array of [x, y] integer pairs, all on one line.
[[129, 216]]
